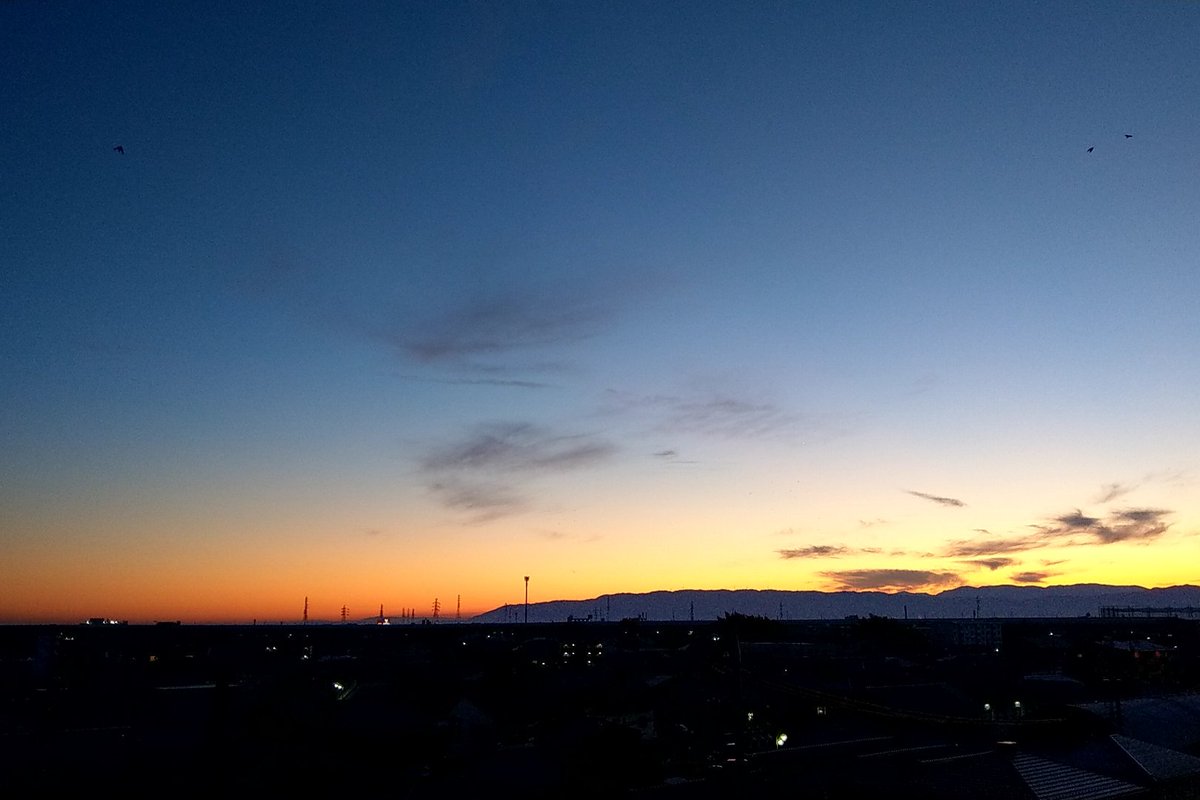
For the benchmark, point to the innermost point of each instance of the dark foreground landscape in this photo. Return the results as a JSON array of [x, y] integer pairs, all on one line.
[[740, 706]]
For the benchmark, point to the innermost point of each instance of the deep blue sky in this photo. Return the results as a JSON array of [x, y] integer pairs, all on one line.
[[452, 291]]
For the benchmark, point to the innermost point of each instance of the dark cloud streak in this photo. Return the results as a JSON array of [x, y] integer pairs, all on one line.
[[814, 551], [944, 501], [992, 563], [896, 579], [1032, 577], [1112, 491]]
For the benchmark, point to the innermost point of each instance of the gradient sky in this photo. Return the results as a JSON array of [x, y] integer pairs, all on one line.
[[389, 302]]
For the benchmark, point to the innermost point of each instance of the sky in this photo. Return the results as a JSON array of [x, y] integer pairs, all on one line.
[[389, 303]]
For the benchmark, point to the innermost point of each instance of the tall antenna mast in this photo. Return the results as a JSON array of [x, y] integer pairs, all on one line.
[[458, 610], [306, 610]]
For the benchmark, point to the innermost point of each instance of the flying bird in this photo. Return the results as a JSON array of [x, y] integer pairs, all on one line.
[[120, 149], [1129, 136], [1090, 149]]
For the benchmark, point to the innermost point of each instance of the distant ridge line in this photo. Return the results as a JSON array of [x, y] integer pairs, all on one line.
[[964, 602]]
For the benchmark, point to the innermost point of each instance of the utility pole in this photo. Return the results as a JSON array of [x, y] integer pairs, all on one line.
[[458, 609], [345, 611], [527, 598], [436, 608], [306, 610]]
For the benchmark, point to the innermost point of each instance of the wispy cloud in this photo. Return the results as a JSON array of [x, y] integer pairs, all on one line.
[[556, 535], [1111, 491], [933, 498], [672, 457], [725, 415], [1072, 529], [481, 473], [892, 579], [482, 501], [814, 551], [824, 550], [499, 324], [1032, 577], [1133, 524], [992, 547], [1077, 522], [924, 383], [500, 309], [730, 417], [1171, 477], [1116, 490], [992, 563], [512, 382], [519, 447]]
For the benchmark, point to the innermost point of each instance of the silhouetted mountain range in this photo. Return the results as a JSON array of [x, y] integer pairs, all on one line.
[[963, 602]]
